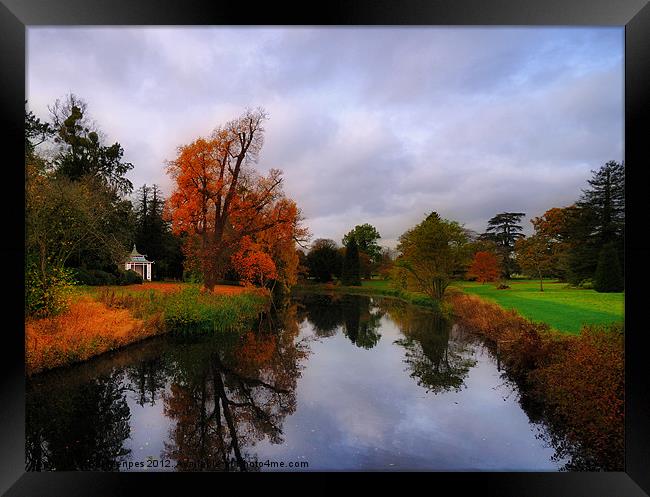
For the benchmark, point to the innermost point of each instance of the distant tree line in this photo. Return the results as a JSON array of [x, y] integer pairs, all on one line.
[[360, 257], [581, 244]]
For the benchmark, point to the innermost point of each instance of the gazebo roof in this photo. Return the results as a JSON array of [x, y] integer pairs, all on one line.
[[136, 256]]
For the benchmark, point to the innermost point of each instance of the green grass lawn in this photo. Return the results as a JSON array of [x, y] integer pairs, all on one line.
[[564, 308]]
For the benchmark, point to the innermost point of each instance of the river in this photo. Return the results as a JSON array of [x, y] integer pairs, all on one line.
[[328, 383]]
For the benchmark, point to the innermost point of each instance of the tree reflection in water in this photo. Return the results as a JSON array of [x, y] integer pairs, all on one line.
[[226, 393], [356, 315], [147, 379], [362, 321], [227, 398], [81, 428], [323, 312], [434, 361]]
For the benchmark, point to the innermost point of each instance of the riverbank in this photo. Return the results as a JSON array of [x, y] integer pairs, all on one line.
[[101, 319], [576, 381], [371, 288], [563, 308]]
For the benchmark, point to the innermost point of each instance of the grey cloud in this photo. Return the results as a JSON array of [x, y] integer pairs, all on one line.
[[376, 125]]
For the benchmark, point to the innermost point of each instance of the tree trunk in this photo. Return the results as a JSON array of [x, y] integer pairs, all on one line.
[[439, 287], [209, 280]]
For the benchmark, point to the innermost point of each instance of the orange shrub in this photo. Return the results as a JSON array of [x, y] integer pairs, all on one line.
[[86, 329], [485, 267], [585, 389]]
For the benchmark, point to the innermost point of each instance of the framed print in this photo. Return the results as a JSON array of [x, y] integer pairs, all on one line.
[[384, 238]]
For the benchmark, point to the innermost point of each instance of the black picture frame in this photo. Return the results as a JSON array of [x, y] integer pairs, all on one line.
[[17, 15]]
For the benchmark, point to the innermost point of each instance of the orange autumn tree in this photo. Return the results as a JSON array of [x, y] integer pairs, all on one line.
[[556, 225], [280, 243], [228, 210], [253, 265], [485, 267]]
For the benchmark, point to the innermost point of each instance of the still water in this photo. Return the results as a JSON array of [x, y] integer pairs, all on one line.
[[328, 383]]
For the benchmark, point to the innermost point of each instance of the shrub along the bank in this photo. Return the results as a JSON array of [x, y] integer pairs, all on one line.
[[409, 297], [87, 328], [129, 277], [584, 388], [190, 309], [120, 316], [577, 380], [98, 277]]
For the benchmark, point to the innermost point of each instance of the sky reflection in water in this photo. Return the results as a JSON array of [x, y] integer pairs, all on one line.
[[341, 382]]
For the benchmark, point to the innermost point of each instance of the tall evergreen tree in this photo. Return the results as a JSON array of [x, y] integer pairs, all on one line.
[[350, 274], [608, 276], [81, 151], [504, 229], [154, 236], [606, 199], [600, 221]]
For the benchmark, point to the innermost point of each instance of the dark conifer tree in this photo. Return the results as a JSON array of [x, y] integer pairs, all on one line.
[[608, 277], [504, 229], [600, 222], [154, 237], [350, 274], [606, 199]]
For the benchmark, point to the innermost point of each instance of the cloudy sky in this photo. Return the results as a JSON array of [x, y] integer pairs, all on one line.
[[378, 125]]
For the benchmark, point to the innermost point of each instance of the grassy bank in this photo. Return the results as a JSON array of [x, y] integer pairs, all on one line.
[[562, 307], [100, 319], [374, 287], [576, 380]]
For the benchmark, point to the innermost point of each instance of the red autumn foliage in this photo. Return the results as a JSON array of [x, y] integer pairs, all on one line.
[[485, 267], [254, 266]]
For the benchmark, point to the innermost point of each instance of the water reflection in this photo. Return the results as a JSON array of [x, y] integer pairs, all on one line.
[[380, 369], [148, 379], [78, 428], [357, 316], [224, 400], [435, 362]]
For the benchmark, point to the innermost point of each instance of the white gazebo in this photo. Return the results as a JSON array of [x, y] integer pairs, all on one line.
[[139, 263]]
